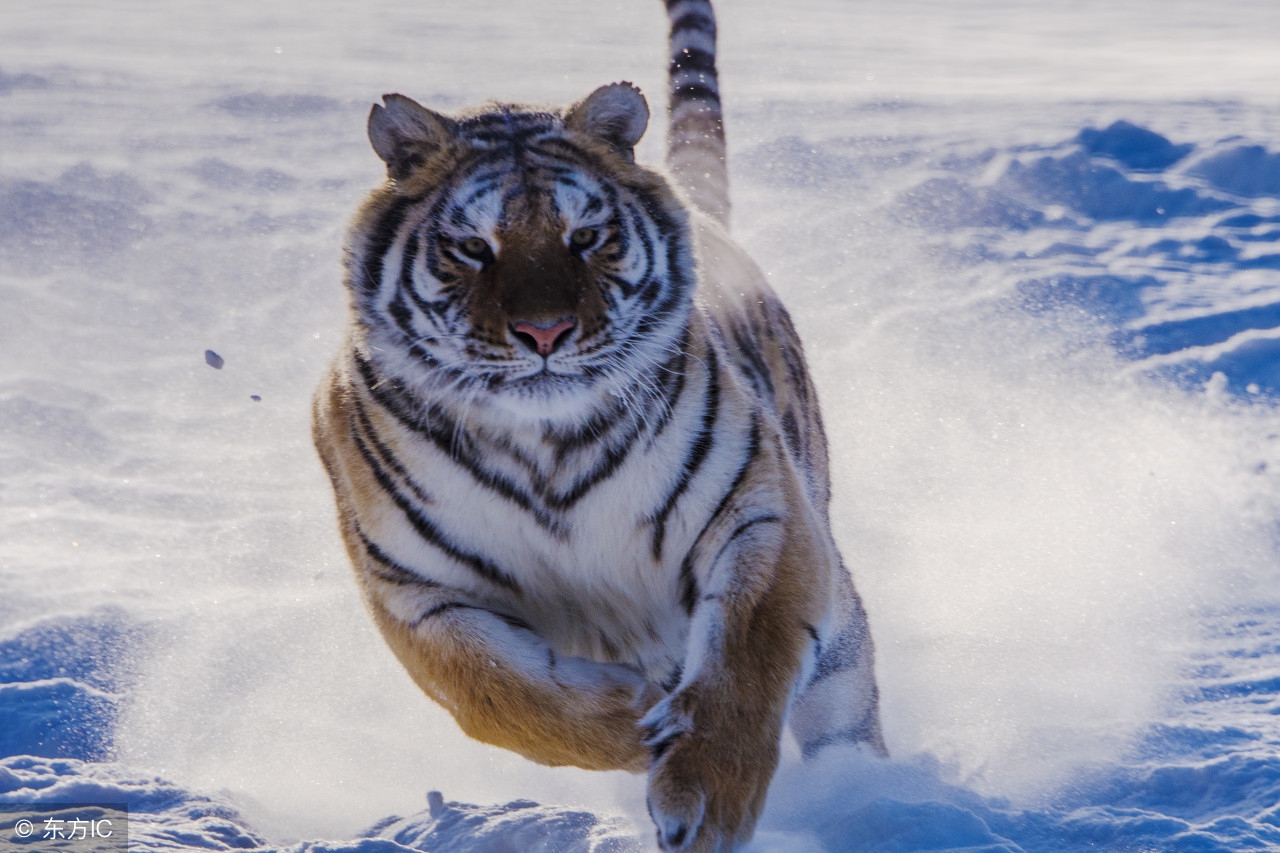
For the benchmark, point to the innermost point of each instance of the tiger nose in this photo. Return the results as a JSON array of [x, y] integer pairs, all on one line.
[[543, 339]]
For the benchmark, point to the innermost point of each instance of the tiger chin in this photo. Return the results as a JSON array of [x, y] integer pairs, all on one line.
[[579, 464]]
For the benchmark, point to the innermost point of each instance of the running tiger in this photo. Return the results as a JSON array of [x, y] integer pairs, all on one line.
[[578, 460]]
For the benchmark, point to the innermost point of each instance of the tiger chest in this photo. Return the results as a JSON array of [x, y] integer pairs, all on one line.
[[600, 577]]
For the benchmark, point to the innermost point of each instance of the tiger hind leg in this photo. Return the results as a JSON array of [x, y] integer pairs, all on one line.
[[839, 702]]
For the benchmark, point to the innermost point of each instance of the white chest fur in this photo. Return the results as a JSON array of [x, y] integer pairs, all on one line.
[[598, 575]]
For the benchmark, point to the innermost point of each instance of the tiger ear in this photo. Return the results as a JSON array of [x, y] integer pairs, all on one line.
[[403, 133], [616, 113]]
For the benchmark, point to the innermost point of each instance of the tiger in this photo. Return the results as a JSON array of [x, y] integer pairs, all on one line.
[[577, 456]]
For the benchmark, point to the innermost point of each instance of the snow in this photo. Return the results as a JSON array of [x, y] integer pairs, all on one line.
[[1032, 250]]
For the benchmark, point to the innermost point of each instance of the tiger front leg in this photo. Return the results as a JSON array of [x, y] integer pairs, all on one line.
[[505, 686], [714, 741]]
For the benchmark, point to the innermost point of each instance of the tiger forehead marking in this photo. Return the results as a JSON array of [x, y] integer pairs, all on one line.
[[578, 460]]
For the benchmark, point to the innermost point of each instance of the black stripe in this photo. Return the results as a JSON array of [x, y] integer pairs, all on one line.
[[521, 190], [392, 572], [695, 92], [604, 469], [698, 451], [842, 654], [385, 453], [679, 287], [436, 610], [744, 527], [693, 59], [438, 309], [690, 597], [753, 450], [410, 255], [427, 529], [561, 172], [513, 137], [659, 749], [433, 251], [382, 235], [792, 431], [433, 424], [508, 122], [749, 358], [589, 433], [669, 227], [817, 653], [460, 215], [563, 149], [659, 314], [673, 680], [401, 315], [440, 429], [638, 221], [673, 379], [399, 311], [387, 393], [696, 20], [829, 665], [689, 583]]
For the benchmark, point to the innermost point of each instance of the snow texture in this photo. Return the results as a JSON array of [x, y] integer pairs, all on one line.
[[1034, 252]]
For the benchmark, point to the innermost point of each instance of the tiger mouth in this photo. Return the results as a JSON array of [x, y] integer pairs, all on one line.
[[546, 378]]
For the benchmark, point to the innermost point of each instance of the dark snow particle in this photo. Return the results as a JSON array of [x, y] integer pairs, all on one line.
[[212, 359]]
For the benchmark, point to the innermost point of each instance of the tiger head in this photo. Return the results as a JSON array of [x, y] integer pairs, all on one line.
[[519, 259]]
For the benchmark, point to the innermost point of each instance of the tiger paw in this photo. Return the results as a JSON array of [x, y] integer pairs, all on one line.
[[706, 783], [678, 818]]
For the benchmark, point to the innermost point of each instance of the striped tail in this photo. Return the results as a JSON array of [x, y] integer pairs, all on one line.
[[695, 130]]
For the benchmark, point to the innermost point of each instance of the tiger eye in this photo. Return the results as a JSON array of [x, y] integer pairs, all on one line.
[[475, 247], [583, 237]]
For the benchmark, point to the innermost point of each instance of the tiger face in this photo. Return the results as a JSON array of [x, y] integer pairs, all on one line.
[[530, 266]]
